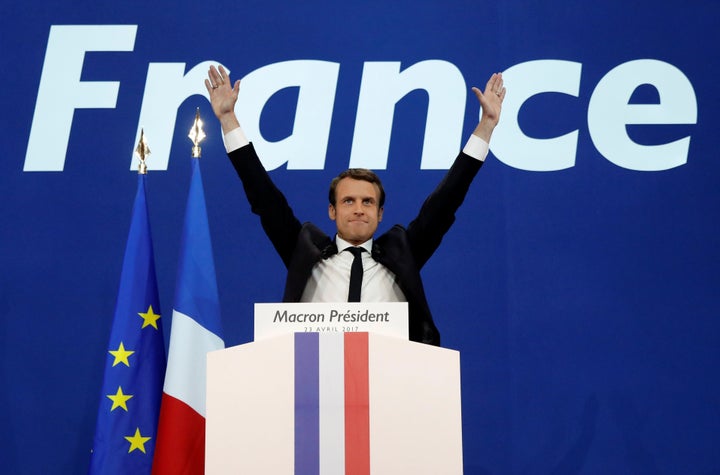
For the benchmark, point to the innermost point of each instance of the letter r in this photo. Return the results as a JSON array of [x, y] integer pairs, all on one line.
[[61, 91]]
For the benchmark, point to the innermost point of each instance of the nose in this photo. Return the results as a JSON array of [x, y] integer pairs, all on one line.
[[358, 208]]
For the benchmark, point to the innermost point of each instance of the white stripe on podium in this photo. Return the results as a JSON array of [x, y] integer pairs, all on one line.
[[332, 400]]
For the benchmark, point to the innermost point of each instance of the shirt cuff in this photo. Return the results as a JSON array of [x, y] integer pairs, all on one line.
[[477, 148], [235, 139]]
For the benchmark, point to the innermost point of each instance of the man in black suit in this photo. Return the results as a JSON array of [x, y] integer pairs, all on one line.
[[318, 269]]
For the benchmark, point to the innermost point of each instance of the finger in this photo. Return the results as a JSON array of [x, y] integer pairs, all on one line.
[[208, 86], [497, 86], [492, 83], [478, 93], [214, 76], [496, 82], [222, 74]]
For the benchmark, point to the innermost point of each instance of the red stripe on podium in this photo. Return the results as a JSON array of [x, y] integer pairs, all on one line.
[[357, 405]]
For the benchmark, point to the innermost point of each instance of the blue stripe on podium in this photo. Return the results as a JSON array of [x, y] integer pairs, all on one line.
[[307, 404]]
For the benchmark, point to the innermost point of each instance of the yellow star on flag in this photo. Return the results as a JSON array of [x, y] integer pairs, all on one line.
[[121, 355], [119, 399], [149, 318], [137, 441]]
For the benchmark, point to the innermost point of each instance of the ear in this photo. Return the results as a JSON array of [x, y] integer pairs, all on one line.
[[380, 214], [331, 212]]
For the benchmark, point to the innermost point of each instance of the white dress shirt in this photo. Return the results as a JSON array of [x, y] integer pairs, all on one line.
[[330, 278]]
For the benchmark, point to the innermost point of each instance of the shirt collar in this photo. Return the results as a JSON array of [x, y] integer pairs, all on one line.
[[343, 244]]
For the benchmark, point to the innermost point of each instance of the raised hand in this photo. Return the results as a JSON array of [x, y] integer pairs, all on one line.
[[223, 96], [491, 102]]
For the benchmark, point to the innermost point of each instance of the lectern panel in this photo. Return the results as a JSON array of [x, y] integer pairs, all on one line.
[[330, 404]]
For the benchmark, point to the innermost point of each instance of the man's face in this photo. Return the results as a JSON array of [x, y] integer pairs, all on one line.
[[357, 210]]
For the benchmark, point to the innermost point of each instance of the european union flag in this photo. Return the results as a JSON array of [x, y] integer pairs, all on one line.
[[135, 368]]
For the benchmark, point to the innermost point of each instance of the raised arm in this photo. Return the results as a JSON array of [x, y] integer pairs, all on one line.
[[266, 200], [437, 213]]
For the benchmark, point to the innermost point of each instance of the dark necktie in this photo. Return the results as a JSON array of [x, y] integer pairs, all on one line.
[[356, 274]]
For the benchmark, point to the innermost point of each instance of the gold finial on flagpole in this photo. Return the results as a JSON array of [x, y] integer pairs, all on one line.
[[142, 151], [197, 134]]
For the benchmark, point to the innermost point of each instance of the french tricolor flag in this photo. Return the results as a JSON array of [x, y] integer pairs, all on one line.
[[196, 330]]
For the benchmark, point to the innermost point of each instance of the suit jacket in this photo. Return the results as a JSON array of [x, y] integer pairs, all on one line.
[[402, 250]]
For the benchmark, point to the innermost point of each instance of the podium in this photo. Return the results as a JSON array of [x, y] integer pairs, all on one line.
[[333, 403]]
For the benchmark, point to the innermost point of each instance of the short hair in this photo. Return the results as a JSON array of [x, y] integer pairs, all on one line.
[[357, 174]]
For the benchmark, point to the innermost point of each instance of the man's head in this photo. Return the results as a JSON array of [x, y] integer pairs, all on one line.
[[356, 205]]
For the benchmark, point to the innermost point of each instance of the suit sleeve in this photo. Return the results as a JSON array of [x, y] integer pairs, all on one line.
[[437, 213], [267, 201]]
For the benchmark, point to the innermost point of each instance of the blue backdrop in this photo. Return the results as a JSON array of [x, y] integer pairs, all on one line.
[[585, 298]]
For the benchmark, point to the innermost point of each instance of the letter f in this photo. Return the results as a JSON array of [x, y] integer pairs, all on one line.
[[61, 91]]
